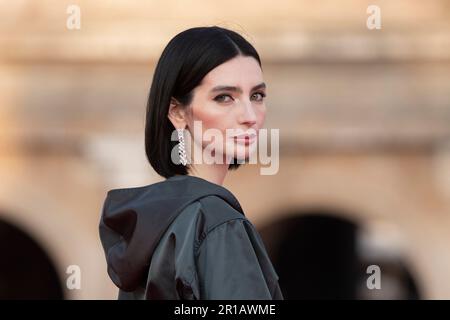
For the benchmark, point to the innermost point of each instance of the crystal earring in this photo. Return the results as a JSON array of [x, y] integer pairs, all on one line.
[[181, 147]]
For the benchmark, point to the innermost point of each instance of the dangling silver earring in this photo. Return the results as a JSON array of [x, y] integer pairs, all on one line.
[[181, 147]]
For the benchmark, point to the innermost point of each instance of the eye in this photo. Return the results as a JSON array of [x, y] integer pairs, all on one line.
[[261, 94], [221, 98]]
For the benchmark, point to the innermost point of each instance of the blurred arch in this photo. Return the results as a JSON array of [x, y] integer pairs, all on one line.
[[26, 269], [315, 253]]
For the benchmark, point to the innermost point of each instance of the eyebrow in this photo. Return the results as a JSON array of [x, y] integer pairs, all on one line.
[[237, 89]]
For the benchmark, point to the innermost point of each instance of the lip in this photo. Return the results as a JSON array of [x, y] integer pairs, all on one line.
[[245, 138]]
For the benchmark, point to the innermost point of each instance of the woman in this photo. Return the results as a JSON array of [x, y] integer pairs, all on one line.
[[187, 237]]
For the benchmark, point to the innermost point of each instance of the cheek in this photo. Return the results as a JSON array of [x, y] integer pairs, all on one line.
[[260, 115], [213, 117]]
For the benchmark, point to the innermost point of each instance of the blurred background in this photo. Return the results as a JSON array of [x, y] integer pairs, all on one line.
[[364, 119]]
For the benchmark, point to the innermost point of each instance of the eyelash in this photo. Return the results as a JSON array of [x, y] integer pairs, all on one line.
[[263, 95]]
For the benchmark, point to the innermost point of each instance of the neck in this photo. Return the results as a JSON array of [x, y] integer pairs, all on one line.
[[214, 173]]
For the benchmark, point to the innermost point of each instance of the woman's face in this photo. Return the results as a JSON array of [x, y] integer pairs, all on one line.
[[231, 96]]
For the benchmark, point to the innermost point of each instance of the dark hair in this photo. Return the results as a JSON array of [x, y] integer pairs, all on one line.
[[184, 62]]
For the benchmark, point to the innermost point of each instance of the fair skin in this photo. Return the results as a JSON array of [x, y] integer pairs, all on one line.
[[241, 107]]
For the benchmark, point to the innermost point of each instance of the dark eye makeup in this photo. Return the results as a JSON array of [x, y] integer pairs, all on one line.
[[220, 97]]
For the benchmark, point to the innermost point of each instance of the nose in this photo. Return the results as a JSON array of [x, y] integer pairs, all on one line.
[[248, 115]]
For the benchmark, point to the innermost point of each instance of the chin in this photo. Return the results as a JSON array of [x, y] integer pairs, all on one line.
[[238, 151], [243, 153]]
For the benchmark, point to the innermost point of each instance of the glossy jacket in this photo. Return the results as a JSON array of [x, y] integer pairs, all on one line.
[[184, 238]]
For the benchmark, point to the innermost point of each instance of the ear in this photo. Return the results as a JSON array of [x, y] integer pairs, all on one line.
[[177, 114]]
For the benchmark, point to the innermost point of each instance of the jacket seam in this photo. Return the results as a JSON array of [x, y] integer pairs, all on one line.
[[209, 231]]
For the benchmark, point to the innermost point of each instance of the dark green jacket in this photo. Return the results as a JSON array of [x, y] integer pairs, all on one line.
[[184, 238]]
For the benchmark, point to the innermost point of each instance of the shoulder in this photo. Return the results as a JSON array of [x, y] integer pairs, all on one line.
[[216, 211], [208, 213], [214, 202]]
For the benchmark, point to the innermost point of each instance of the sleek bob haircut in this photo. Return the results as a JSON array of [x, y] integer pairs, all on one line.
[[184, 62]]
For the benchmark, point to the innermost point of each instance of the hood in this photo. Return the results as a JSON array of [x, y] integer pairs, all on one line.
[[133, 220]]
